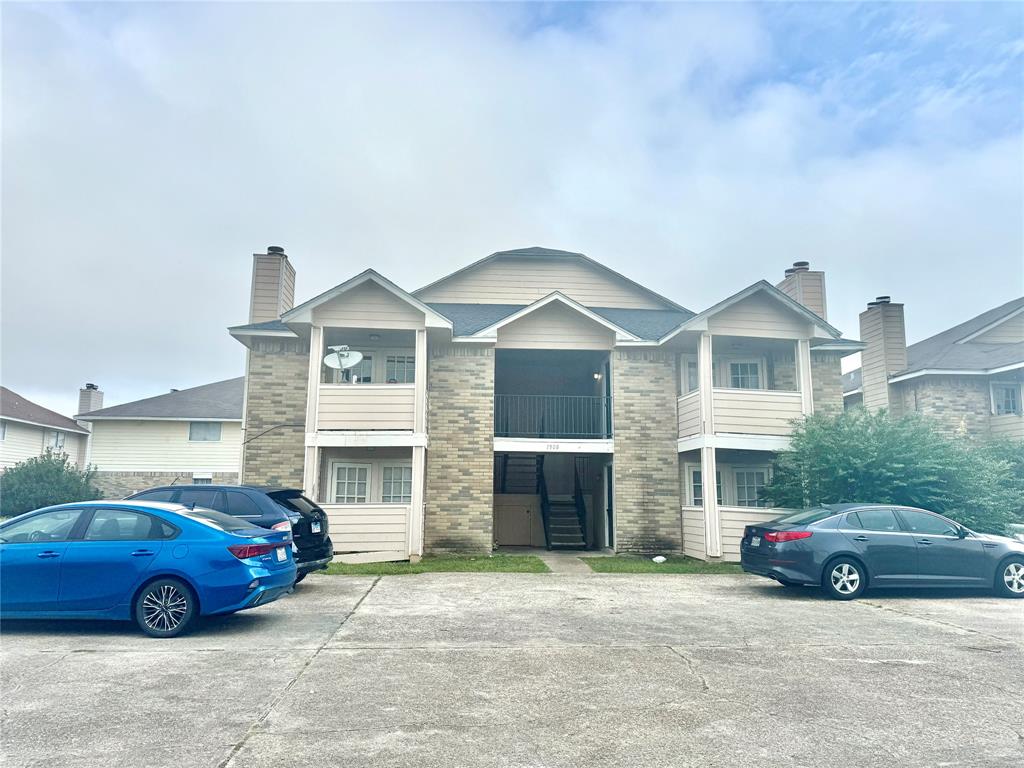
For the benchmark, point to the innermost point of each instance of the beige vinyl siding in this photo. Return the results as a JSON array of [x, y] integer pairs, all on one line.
[[368, 306], [368, 527], [759, 316], [688, 407], [883, 331], [24, 441], [733, 519], [693, 533], [1008, 426], [1009, 332], [555, 326], [268, 293], [755, 412], [163, 446], [524, 281], [367, 406], [808, 288]]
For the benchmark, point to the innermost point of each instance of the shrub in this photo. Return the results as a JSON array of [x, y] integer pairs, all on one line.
[[42, 481]]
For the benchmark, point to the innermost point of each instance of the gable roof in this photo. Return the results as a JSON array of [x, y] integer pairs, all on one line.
[[556, 297], [219, 401], [547, 254], [303, 312], [699, 321], [14, 407]]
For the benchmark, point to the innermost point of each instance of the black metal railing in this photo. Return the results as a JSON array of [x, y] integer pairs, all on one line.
[[555, 416], [581, 507], [545, 502]]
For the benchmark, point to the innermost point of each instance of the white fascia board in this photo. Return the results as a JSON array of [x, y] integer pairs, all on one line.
[[990, 326], [852, 392], [370, 439], [548, 445], [847, 346], [87, 417], [257, 332], [772, 443], [622, 334], [52, 427], [304, 312], [955, 372]]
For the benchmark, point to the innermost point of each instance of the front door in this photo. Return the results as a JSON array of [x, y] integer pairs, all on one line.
[[31, 555], [888, 551], [942, 556]]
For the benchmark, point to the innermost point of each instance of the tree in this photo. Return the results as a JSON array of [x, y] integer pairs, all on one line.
[[858, 456], [42, 481]]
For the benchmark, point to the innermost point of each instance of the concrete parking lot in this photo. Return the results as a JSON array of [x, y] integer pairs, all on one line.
[[531, 670]]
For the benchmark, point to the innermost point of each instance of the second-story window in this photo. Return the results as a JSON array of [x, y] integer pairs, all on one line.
[[56, 441], [400, 369], [688, 378], [204, 431], [745, 375], [1006, 399]]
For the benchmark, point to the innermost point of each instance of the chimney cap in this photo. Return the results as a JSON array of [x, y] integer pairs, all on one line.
[[89, 385], [801, 266], [879, 301], [275, 249], [789, 271]]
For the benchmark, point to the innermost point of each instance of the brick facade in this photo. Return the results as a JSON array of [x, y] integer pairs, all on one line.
[[646, 464], [956, 403], [275, 413], [458, 513], [826, 382], [117, 485]]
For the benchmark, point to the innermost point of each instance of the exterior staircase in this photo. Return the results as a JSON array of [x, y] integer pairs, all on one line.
[[564, 516], [564, 529]]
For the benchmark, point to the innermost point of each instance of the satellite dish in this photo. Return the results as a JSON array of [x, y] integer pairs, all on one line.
[[342, 357]]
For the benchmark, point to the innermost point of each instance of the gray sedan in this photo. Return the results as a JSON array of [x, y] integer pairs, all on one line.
[[846, 548]]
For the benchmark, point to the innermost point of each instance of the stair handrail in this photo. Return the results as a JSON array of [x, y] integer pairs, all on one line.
[[545, 502], [581, 508]]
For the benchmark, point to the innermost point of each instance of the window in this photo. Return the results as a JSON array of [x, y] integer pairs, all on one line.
[[749, 484], [204, 431], [201, 480], [45, 527], [875, 520], [3, 430], [55, 442], [351, 483], [207, 499], [400, 369], [397, 485], [923, 523], [125, 525], [745, 375], [361, 373], [164, 494], [240, 505], [1006, 399], [697, 487], [689, 380]]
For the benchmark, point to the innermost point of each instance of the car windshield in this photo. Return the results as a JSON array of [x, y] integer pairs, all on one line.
[[294, 502], [806, 516], [216, 519]]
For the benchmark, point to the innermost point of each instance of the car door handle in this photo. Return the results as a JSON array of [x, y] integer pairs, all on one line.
[[142, 552], [48, 554], [924, 541], [860, 538]]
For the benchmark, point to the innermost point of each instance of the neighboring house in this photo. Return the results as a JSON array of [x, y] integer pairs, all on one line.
[[28, 429], [968, 378], [532, 397], [185, 436]]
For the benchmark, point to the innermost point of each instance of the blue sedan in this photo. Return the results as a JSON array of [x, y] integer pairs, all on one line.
[[162, 565]]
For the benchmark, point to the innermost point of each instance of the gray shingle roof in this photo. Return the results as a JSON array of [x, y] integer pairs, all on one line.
[[220, 400], [15, 407], [268, 325], [852, 381]]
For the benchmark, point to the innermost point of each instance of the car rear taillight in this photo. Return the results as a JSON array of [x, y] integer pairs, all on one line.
[[780, 536], [245, 551], [284, 525]]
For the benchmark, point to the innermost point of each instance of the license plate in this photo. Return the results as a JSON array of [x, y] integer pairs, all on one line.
[[281, 553], [315, 527], [755, 541]]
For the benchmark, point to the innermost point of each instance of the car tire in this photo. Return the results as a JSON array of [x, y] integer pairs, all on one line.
[[1010, 578], [165, 608], [844, 579], [301, 576]]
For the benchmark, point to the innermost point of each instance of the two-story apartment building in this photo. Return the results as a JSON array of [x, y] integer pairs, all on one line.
[[533, 398], [967, 378], [28, 429]]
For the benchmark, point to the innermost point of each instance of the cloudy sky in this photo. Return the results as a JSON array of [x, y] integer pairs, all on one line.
[[149, 149]]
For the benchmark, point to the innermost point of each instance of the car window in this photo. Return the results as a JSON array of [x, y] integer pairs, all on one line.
[[125, 525], [47, 526], [924, 523], [201, 498], [164, 494], [294, 502], [806, 516], [875, 520], [240, 505], [216, 519]]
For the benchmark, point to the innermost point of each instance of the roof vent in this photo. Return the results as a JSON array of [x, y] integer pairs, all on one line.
[[175, 390], [275, 249]]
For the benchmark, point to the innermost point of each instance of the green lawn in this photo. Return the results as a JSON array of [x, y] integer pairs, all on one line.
[[444, 564], [674, 564]]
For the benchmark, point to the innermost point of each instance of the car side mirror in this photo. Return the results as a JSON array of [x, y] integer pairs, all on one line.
[[961, 533]]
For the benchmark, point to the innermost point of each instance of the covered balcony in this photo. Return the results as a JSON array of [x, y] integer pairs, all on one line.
[[552, 394]]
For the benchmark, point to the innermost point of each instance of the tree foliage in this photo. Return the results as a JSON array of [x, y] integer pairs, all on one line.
[[42, 481], [858, 456]]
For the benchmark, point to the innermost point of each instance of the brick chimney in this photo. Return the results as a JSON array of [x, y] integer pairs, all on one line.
[[883, 329], [90, 399], [805, 286], [273, 285]]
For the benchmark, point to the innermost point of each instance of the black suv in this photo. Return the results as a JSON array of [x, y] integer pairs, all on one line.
[[275, 508]]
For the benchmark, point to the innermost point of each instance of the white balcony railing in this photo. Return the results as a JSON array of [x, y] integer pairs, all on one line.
[[368, 527], [366, 407], [755, 411]]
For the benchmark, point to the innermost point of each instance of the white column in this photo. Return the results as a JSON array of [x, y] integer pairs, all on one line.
[[803, 369], [311, 465], [420, 419], [419, 454], [705, 376], [712, 520]]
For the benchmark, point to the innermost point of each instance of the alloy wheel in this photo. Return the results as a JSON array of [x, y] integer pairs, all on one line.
[[845, 579], [164, 608], [1013, 578]]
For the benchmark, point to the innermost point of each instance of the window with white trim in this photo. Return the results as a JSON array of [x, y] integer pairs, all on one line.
[[697, 487], [400, 369], [689, 379], [749, 484], [745, 374], [55, 440], [396, 484], [204, 431], [351, 483], [200, 480], [1006, 398]]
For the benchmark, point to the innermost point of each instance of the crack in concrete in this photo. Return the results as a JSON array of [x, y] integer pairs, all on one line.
[[690, 665], [258, 723], [932, 620]]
